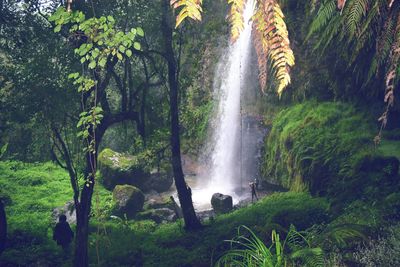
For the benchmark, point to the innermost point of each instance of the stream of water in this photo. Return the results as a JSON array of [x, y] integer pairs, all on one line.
[[225, 171]]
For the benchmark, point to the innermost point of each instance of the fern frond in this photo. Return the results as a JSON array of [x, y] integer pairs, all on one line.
[[261, 58], [385, 40], [189, 8], [325, 13], [272, 44], [341, 234], [236, 18], [355, 11], [311, 257]]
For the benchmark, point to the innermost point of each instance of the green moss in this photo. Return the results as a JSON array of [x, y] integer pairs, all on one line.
[[116, 160], [312, 145]]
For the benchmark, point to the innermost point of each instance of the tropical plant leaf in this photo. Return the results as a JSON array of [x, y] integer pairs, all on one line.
[[236, 18], [271, 40], [189, 8]]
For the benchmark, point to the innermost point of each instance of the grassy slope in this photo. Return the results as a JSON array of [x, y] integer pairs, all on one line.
[[35, 189], [168, 245], [32, 191], [313, 144]]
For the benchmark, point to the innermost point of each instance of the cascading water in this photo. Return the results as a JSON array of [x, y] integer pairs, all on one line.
[[225, 167]]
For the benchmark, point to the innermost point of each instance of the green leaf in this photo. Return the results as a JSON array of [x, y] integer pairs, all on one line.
[[140, 31], [83, 60], [92, 65], [110, 19], [119, 56], [128, 53], [102, 62], [136, 45], [121, 48], [57, 28]]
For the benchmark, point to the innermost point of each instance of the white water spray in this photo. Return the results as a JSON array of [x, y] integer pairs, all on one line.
[[226, 170]]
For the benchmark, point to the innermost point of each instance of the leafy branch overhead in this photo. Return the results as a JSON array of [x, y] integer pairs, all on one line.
[[370, 31], [270, 36]]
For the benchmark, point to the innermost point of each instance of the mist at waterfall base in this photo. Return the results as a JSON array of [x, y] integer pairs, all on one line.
[[227, 171]]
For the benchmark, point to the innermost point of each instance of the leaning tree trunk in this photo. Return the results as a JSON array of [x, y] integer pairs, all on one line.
[[184, 193], [3, 227]]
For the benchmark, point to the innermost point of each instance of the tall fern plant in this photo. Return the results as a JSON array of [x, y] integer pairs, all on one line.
[[370, 29], [248, 250]]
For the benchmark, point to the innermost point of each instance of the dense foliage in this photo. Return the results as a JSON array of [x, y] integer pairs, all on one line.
[[128, 61]]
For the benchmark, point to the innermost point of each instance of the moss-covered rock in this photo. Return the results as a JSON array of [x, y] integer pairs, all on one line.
[[158, 181], [116, 168], [129, 200], [315, 146]]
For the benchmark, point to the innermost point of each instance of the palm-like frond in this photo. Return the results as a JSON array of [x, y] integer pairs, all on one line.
[[236, 18], [189, 8], [272, 34], [324, 15], [251, 252], [355, 12]]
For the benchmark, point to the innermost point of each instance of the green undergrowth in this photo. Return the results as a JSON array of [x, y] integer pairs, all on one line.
[[313, 145], [31, 191], [143, 243]]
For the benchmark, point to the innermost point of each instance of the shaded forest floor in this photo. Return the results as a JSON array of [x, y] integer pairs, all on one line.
[[33, 190]]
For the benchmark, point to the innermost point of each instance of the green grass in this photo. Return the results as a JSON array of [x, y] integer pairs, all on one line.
[[31, 192], [170, 245]]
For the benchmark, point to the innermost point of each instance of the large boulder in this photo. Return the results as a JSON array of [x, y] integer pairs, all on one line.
[[221, 203], [158, 181], [68, 210], [117, 168], [128, 199]]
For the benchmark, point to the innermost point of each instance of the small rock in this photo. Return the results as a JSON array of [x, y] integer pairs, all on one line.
[[221, 203], [129, 200]]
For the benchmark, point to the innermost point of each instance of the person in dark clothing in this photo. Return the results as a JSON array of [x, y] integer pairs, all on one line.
[[63, 233], [253, 191], [257, 182]]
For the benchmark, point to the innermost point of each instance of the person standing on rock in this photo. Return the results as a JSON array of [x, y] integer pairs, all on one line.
[[63, 234], [253, 191]]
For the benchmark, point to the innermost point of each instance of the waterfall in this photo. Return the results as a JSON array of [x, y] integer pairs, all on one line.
[[225, 170]]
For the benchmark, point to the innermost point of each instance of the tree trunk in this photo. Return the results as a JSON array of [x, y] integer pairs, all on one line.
[[81, 257], [184, 192], [83, 208], [3, 227]]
